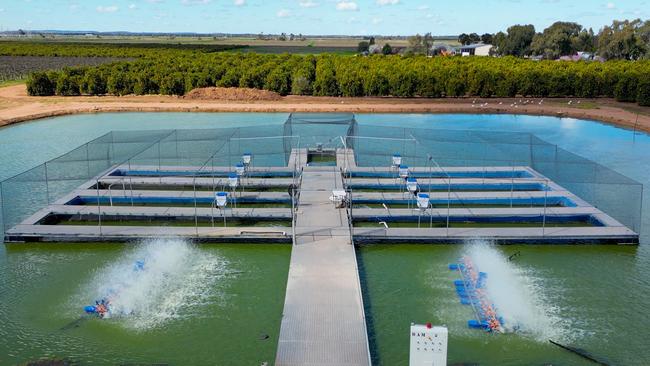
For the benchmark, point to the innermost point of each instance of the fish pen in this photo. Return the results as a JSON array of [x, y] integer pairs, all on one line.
[[244, 184]]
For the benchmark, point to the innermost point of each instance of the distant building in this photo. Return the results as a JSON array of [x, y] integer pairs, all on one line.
[[442, 50], [580, 56], [478, 49], [374, 49]]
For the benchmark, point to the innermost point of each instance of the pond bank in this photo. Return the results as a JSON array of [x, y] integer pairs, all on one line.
[[16, 106]]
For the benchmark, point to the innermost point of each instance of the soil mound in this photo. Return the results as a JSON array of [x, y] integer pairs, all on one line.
[[238, 94]]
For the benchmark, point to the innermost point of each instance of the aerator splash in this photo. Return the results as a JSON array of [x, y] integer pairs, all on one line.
[[102, 307], [471, 290]]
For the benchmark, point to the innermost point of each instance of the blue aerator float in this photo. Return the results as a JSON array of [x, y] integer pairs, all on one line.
[[471, 290], [102, 307]]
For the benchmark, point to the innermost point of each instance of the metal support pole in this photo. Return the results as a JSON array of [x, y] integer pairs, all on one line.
[[131, 187], [448, 201], [99, 208], [512, 184], [47, 186], [159, 165], [196, 217], [544, 216], [88, 160]]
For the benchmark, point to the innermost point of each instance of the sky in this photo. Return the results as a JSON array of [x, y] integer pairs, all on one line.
[[344, 17]]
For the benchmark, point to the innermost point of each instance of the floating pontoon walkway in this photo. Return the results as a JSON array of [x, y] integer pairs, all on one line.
[[323, 321]]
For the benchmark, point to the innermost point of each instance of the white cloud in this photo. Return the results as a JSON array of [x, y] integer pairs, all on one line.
[[194, 2], [132, 6], [106, 9], [387, 2], [154, 1], [377, 20], [611, 6], [344, 5], [239, 2], [308, 4], [283, 13], [423, 7]]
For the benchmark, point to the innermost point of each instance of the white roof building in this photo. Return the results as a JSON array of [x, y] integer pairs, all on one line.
[[478, 49]]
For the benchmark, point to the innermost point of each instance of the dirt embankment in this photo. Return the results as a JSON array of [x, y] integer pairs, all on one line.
[[231, 94], [17, 106]]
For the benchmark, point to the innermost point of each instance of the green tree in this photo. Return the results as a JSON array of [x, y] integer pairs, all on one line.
[[473, 38], [94, 82], [67, 84], [375, 83], [517, 41], [387, 49], [325, 83], [586, 41], [279, 81], [643, 91], [557, 40], [119, 83], [363, 46], [487, 38], [302, 78], [145, 83], [420, 45], [231, 78], [621, 41], [464, 39], [39, 84], [626, 89], [172, 84]]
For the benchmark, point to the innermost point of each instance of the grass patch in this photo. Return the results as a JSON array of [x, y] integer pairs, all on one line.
[[12, 82]]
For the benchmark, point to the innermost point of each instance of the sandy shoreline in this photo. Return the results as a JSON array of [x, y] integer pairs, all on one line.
[[16, 106]]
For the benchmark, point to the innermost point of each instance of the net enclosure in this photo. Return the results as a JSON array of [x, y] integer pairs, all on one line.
[[204, 150]]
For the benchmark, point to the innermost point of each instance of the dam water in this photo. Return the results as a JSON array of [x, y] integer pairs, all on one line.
[[156, 282], [222, 303]]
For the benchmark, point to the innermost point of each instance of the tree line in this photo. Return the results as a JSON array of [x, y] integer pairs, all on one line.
[[622, 40], [335, 75], [104, 49]]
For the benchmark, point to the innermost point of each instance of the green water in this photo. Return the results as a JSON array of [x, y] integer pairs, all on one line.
[[453, 205], [599, 297], [425, 223], [176, 187], [592, 305], [191, 204], [40, 284]]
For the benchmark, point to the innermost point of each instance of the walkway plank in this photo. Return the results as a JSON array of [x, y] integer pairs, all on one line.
[[323, 320]]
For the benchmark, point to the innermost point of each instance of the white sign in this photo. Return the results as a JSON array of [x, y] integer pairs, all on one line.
[[428, 345]]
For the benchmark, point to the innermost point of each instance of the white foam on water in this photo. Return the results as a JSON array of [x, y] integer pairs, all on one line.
[[176, 277], [518, 295]]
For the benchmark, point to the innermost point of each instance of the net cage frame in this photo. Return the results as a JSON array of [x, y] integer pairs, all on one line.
[[615, 194], [24, 194], [296, 121]]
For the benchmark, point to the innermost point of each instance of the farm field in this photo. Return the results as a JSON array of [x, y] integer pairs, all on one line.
[[18, 67]]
